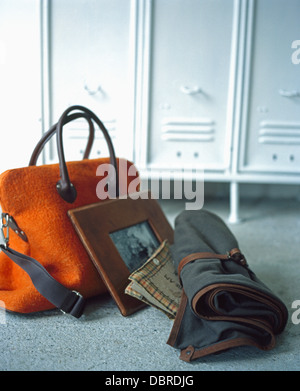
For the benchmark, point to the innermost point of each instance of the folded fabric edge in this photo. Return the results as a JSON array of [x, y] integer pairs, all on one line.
[[131, 291], [191, 353], [207, 295]]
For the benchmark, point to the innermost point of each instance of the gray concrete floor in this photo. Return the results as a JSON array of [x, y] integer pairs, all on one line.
[[103, 340]]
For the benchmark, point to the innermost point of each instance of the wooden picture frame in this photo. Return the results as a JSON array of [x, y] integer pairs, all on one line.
[[107, 230]]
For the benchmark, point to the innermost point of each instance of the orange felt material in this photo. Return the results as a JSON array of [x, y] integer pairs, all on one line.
[[29, 195]]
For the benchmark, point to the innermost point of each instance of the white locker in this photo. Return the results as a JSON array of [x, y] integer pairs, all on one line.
[[92, 64], [190, 102], [271, 133]]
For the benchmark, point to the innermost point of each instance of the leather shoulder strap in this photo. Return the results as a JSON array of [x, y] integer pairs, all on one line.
[[66, 300]]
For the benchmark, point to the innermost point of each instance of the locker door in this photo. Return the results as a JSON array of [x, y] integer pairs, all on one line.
[[91, 65], [190, 105], [271, 139]]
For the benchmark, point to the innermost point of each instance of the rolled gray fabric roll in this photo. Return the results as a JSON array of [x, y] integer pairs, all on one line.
[[223, 303]]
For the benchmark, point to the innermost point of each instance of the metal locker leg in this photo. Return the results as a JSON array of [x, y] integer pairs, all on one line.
[[234, 203]]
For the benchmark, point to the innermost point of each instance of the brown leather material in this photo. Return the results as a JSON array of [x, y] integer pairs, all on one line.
[[209, 293], [30, 197], [65, 188], [52, 131], [68, 301], [190, 353], [94, 223], [178, 319], [203, 255], [224, 304], [208, 255]]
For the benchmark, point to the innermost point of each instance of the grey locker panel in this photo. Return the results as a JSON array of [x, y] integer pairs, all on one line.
[[271, 142], [91, 65], [190, 104]]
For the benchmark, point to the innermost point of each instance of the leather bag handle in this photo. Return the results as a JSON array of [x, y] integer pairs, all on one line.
[[68, 301], [48, 135], [64, 186]]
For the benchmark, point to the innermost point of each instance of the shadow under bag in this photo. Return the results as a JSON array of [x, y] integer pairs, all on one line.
[[223, 303]]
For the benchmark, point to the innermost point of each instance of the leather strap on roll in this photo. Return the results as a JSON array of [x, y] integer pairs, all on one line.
[[68, 301], [234, 255]]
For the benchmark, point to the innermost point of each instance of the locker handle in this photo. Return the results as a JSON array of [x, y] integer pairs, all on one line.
[[190, 90], [94, 91], [289, 94]]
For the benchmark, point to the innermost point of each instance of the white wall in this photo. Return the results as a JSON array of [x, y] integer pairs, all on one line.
[[20, 82]]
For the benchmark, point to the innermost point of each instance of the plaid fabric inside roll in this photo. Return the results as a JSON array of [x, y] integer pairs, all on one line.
[[156, 282]]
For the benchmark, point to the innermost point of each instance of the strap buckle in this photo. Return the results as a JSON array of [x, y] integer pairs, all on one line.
[[4, 230], [236, 256], [8, 222], [74, 306]]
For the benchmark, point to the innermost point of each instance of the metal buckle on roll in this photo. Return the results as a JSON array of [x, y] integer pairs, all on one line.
[[237, 257]]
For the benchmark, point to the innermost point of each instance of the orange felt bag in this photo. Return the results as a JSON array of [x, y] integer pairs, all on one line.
[[43, 263]]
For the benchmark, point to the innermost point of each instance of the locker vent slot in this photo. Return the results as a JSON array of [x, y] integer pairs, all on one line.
[[185, 129], [279, 133], [79, 129]]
